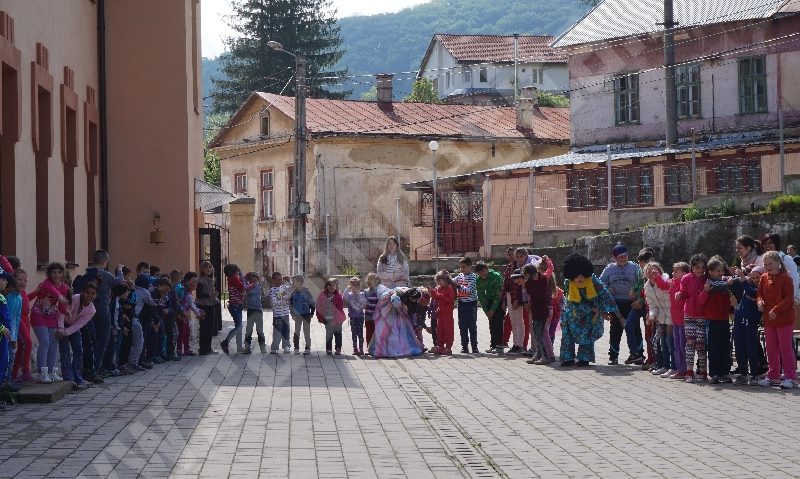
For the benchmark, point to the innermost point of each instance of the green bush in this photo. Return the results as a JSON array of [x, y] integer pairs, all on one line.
[[350, 270], [784, 204], [552, 100], [694, 212]]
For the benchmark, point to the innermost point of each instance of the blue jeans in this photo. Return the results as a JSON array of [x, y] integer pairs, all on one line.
[[633, 331], [236, 313], [280, 332], [71, 362], [137, 344], [468, 323], [102, 336]]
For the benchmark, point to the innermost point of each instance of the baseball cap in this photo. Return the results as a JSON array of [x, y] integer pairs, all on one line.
[[619, 250], [5, 275]]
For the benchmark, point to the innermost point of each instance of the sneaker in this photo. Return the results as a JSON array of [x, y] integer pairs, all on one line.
[[464, 351], [157, 360], [328, 352], [475, 350], [146, 365], [448, 352], [189, 353], [543, 362], [715, 380], [338, 352], [659, 371], [668, 373], [515, 350], [94, 379], [490, 350], [55, 376], [631, 359], [26, 378], [701, 378], [274, 351], [44, 376], [639, 361], [678, 375], [125, 371], [306, 352], [499, 351], [356, 352], [788, 384], [582, 364], [566, 364], [287, 350], [532, 361], [136, 367], [725, 379], [768, 383], [263, 348], [689, 377], [224, 346], [297, 350], [753, 381], [741, 380], [646, 366], [246, 349], [613, 361]]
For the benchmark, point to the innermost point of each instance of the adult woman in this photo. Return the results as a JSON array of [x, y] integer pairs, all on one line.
[[748, 250], [772, 242], [206, 300], [395, 335], [588, 303], [393, 265]]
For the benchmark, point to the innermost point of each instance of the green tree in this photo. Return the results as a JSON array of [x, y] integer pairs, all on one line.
[[552, 100], [302, 26], [422, 91], [371, 94], [212, 172]]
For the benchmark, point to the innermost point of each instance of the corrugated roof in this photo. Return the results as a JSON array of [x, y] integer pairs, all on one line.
[[500, 48], [422, 119], [624, 18]]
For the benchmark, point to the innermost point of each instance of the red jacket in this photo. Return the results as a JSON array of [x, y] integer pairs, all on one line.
[[445, 297], [777, 293], [716, 306]]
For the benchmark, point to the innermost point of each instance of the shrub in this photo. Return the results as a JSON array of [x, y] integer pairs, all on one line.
[[693, 213], [784, 204], [350, 270], [552, 100]]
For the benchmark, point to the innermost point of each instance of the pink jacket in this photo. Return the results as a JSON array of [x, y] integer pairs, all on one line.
[[46, 309], [80, 316], [692, 289]]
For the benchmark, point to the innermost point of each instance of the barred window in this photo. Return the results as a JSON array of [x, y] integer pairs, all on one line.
[[587, 189], [632, 187], [677, 184]]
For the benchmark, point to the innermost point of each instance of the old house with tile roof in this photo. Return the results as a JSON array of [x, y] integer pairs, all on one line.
[[358, 155], [479, 69]]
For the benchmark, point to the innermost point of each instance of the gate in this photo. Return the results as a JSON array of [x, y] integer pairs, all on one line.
[[461, 220], [211, 251]]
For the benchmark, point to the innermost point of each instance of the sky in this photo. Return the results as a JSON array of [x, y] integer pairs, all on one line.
[[214, 29]]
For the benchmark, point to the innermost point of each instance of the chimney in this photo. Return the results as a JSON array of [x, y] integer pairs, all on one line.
[[526, 104], [385, 90]]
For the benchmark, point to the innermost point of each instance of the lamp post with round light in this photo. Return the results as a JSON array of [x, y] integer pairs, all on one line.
[[434, 146]]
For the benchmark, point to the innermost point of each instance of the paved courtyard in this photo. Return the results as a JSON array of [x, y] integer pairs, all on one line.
[[434, 417]]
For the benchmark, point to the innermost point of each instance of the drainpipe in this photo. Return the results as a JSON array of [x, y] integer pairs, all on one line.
[[101, 87]]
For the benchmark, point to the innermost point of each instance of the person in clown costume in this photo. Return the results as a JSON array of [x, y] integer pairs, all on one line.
[[588, 304]]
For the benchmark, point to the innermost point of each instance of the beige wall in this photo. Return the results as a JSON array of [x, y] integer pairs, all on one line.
[[67, 28], [154, 130]]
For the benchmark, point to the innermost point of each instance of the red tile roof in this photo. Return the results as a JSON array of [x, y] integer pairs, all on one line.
[[422, 119], [500, 48]]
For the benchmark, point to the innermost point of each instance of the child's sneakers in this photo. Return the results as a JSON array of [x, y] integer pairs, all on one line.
[[725, 379], [338, 352], [788, 384], [741, 380], [246, 349], [55, 377], [668, 373], [287, 350], [680, 375], [356, 352], [26, 378], [658, 371], [766, 382], [753, 381], [263, 348], [543, 362], [307, 352], [274, 351], [297, 350], [224, 346], [689, 377]]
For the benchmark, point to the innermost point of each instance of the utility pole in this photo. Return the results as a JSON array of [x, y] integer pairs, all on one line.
[[516, 65], [671, 100], [300, 208]]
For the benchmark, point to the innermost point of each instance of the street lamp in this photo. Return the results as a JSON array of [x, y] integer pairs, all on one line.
[[434, 146], [299, 207]]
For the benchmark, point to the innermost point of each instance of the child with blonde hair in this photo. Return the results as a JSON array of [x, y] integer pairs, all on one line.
[[656, 292], [356, 301], [776, 302]]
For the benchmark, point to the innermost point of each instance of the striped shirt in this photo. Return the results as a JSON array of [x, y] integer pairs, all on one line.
[[467, 287], [279, 297]]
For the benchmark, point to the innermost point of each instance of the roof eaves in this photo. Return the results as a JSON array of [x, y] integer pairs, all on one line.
[[555, 43], [231, 121], [427, 56]]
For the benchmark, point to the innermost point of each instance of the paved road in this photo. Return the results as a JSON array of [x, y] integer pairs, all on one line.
[[433, 417]]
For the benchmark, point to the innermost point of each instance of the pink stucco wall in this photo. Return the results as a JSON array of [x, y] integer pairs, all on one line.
[[717, 46]]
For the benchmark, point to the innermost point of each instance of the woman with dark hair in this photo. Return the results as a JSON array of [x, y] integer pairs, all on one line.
[[395, 335], [393, 265], [588, 303], [207, 299]]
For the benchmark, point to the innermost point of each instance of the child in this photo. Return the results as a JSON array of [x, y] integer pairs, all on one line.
[[541, 306], [421, 314], [188, 286], [676, 306], [5, 326], [490, 286], [168, 310], [372, 295], [82, 310], [692, 285], [144, 313], [716, 300], [22, 359], [279, 297], [558, 306], [14, 301], [207, 300], [467, 306], [656, 292], [302, 308], [445, 297], [330, 312], [355, 301], [776, 301], [121, 312], [51, 300], [255, 313], [745, 324], [620, 278], [236, 296]]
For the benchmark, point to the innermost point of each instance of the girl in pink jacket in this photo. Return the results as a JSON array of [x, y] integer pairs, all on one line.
[[51, 300], [691, 292], [81, 312]]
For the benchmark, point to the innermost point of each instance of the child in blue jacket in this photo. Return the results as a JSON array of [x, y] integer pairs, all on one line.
[[745, 324]]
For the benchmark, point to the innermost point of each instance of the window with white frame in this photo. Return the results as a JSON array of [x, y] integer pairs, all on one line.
[[240, 183], [753, 85], [267, 195], [626, 99], [687, 82]]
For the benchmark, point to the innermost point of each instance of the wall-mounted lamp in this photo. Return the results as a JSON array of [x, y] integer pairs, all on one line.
[[156, 236]]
